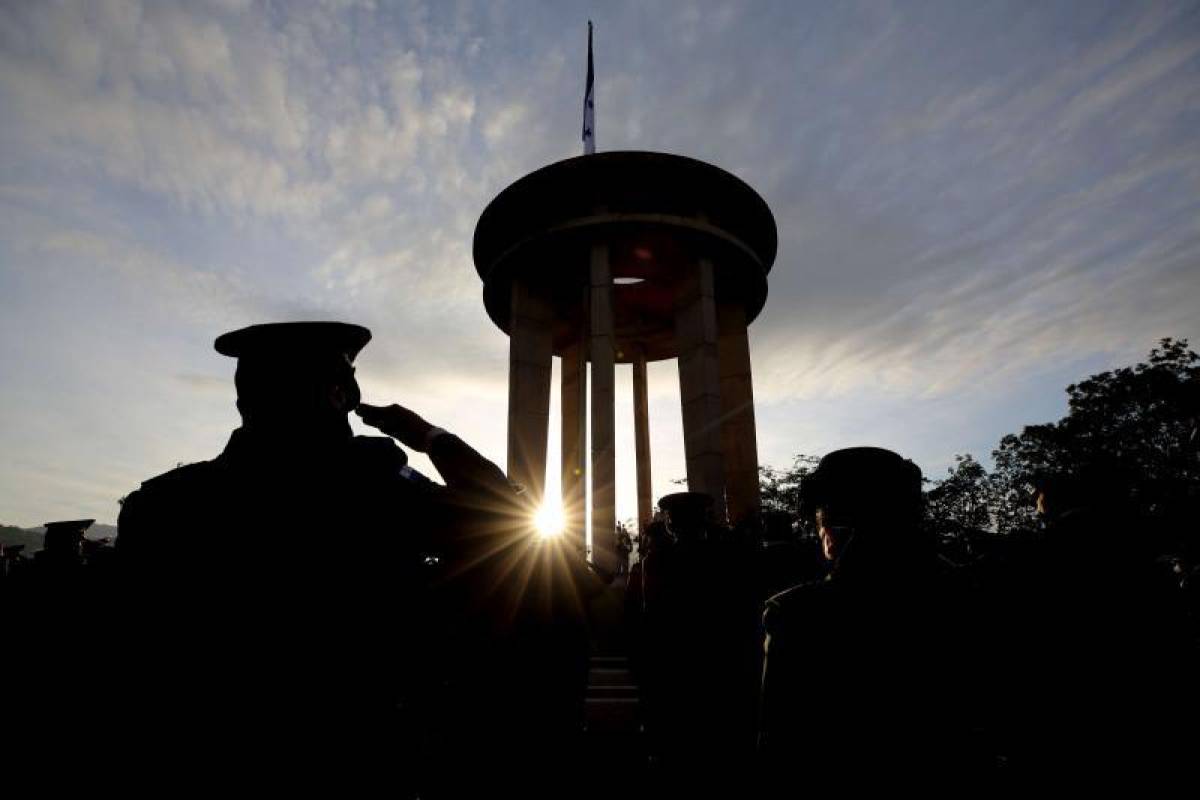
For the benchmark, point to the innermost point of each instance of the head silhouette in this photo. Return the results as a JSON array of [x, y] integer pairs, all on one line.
[[64, 540], [687, 515], [867, 499], [296, 378]]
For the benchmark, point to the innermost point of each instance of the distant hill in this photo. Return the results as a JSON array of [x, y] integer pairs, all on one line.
[[32, 537], [13, 535]]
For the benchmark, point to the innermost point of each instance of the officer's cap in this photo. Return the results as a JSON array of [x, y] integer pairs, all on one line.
[[290, 339], [77, 526], [685, 502], [860, 476]]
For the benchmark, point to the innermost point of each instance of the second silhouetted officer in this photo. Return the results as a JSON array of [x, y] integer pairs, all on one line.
[[859, 667]]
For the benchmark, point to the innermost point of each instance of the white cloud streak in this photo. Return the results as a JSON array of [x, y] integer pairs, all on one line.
[[971, 201]]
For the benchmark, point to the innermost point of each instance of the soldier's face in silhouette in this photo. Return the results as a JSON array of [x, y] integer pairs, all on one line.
[[317, 390], [685, 525], [343, 393], [833, 535]]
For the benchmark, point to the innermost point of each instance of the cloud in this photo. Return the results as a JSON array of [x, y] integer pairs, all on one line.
[[973, 203], [205, 383]]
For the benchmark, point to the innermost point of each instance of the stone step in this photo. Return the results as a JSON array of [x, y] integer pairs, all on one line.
[[612, 715], [611, 702], [610, 676], [610, 661], [614, 691]]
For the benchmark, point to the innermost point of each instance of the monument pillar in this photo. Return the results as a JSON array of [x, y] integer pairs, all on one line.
[[739, 447], [574, 439], [601, 347], [641, 438], [530, 360], [699, 383]]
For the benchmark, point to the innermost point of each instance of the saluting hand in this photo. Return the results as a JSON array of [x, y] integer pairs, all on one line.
[[398, 422]]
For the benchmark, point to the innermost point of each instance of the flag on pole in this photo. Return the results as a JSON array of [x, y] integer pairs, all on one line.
[[589, 103]]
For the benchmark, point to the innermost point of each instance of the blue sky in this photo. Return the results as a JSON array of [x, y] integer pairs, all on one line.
[[978, 204]]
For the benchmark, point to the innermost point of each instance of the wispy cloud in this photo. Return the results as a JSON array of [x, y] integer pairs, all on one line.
[[974, 203]]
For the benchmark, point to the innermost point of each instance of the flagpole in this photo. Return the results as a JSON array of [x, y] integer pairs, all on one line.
[[589, 102]]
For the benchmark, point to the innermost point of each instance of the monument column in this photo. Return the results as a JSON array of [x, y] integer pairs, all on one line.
[[738, 439], [641, 438], [574, 438], [604, 457], [530, 359], [699, 384]]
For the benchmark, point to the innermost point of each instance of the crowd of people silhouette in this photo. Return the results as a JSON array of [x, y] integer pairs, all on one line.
[[446, 652]]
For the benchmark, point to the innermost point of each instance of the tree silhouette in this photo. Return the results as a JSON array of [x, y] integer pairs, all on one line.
[[962, 503], [780, 488], [1133, 432]]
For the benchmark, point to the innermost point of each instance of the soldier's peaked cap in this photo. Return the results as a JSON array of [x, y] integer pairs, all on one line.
[[70, 525], [284, 339], [859, 473], [867, 462], [697, 502]]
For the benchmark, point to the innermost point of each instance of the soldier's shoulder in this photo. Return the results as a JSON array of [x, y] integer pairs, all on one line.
[[380, 458], [174, 493], [791, 604], [182, 478], [379, 449]]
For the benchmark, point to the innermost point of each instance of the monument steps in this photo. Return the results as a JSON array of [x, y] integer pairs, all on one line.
[[611, 704]]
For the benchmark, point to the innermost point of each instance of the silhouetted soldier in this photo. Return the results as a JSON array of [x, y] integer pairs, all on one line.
[[63, 544], [12, 560], [700, 645], [857, 682], [624, 549], [62, 619], [653, 536], [1091, 650], [279, 661]]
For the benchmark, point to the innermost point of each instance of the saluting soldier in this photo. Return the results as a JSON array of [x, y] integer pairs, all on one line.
[[304, 666]]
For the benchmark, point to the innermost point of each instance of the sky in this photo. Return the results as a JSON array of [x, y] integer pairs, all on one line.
[[978, 203]]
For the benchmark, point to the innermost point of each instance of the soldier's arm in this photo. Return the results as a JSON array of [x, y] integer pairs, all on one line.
[[459, 464], [784, 679], [768, 688], [463, 467]]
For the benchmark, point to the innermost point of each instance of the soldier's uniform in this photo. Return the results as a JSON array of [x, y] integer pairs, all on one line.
[[1111, 693], [700, 646], [60, 636], [858, 681]]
